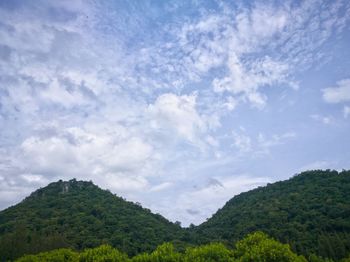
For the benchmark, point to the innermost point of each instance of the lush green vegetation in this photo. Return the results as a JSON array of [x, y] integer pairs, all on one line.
[[255, 247], [310, 212], [80, 215]]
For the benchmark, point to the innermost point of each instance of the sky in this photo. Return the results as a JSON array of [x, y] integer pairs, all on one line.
[[177, 105]]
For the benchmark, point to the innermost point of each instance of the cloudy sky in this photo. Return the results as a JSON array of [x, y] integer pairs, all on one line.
[[178, 105]]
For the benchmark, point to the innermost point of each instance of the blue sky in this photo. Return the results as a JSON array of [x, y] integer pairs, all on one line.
[[178, 105]]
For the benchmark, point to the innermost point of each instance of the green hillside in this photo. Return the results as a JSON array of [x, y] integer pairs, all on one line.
[[79, 215], [254, 247], [310, 211]]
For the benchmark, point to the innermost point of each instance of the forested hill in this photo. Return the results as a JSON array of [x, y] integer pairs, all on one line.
[[78, 214], [310, 211]]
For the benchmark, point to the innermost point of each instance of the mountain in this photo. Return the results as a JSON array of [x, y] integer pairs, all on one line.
[[310, 211], [79, 215]]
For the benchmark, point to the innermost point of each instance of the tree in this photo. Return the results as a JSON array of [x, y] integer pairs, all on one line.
[[58, 255], [215, 252], [163, 253], [102, 253], [258, 247]]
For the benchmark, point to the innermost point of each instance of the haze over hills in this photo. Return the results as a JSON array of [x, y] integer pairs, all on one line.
[[309, 211]]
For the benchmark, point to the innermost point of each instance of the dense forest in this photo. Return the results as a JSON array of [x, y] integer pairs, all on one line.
[[309, 212], [254, 247], [80, 215]]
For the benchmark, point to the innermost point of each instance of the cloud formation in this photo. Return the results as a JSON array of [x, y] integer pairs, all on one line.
[[338, 94], [149, 100]]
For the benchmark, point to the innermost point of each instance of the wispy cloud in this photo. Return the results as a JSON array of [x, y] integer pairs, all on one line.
[[316, 165], [338, 94], [261, 144], [346, 111], [142, 97], [202, 201], [323, 119]]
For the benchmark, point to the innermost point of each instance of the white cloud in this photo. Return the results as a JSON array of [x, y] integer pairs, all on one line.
[[319, 164], [89, 94], [230, 103], [57, 93], [324, 119], [346, 111], [238, 40], [205, 200], [217, 41], [122, 183], [260, 145], [266, 143], [33, 178], [47, 156], [11, 194], [160, 187], [242, 142], [83, 154], [246, 79], [130, 155], [212, 141], [178, 113], [338, 94]]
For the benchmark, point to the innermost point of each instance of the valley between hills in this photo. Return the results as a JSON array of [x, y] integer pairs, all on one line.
[[304, 218]]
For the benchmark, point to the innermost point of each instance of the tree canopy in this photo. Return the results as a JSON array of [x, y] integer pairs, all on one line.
[[309, 212], [254, 247]]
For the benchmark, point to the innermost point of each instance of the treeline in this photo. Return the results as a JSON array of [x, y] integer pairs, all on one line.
[[254, 247], [79, 215], [310, 212]]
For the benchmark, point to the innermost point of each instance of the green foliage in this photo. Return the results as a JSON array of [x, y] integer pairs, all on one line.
[[315, 258], [310, 212], [104, 253], [58, 255], [80, 215], [255, 247], [215, 252], [260, 248], [163, 253], [346, 259]]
